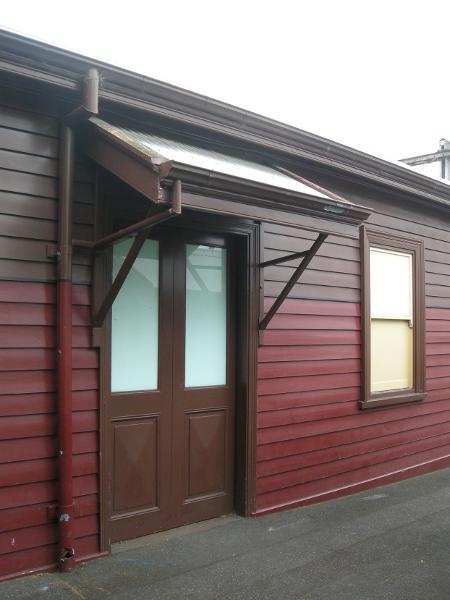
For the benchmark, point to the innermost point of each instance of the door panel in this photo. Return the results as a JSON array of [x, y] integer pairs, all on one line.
[[135, 444], [205, 454], [173, 446]]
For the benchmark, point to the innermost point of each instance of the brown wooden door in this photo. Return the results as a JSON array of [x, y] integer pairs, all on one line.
[[172, 447]]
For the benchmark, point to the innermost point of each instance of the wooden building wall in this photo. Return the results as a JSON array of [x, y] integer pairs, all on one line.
[[313, 441], [28, 212]]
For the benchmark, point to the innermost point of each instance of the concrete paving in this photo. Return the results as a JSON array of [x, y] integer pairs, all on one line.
[[390, 542]]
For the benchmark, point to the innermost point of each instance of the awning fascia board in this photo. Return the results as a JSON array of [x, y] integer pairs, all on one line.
[[138, 175], [266, 196], [140, 171]]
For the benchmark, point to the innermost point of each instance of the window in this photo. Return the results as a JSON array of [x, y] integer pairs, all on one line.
[[134, 321], [392, 319], [206, 316]]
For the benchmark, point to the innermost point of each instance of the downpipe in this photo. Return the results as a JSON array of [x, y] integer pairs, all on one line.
[[65, 511]]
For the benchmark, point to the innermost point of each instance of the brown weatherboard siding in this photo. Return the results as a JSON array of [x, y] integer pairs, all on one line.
[[28, 212], [313, 440]]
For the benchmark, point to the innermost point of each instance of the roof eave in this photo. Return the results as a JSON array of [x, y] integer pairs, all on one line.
[[43, 62]]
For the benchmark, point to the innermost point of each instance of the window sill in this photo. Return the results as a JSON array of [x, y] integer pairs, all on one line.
[[384, 401]]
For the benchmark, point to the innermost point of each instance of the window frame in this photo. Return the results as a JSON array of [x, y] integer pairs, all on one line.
[[375, 239]]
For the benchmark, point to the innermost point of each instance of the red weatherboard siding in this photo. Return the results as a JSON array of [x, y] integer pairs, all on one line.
[[28, 212], [28, 428], [313, 441]]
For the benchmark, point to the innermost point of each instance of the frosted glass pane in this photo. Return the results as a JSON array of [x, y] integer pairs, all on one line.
[[391, 352], [206, 316], [134, 337], [390, 284]]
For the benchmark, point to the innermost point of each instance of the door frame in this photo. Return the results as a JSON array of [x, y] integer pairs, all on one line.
[[247, 238]]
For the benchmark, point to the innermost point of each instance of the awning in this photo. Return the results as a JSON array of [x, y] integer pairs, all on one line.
[[131, 154]]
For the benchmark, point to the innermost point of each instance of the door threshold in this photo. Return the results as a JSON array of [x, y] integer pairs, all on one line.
[[154, 539]]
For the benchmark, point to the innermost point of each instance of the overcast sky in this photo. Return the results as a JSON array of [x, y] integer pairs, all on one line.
[[372, 75]]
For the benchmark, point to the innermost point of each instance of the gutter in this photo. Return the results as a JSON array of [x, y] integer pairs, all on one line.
[[65, 510], [45, 63]]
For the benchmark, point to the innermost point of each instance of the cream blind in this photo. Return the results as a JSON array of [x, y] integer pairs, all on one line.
[[391, 312], [390, 284]]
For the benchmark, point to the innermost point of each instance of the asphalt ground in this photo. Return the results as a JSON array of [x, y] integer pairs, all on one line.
[[389, 542]]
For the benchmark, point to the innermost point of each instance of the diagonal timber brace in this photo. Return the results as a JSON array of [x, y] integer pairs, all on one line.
[[141, 229], [307, 256]]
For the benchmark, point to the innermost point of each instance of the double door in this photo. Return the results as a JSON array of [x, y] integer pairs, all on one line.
[[171, 399]]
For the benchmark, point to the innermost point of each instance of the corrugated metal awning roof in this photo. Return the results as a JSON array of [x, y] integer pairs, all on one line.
[[158, 149]]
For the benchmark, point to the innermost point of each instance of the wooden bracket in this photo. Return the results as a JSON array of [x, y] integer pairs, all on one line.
[[307, 256], [52, 251], [141, 229]]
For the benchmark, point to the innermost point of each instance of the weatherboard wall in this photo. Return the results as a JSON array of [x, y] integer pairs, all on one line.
[[313, 441], [28, 228]]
